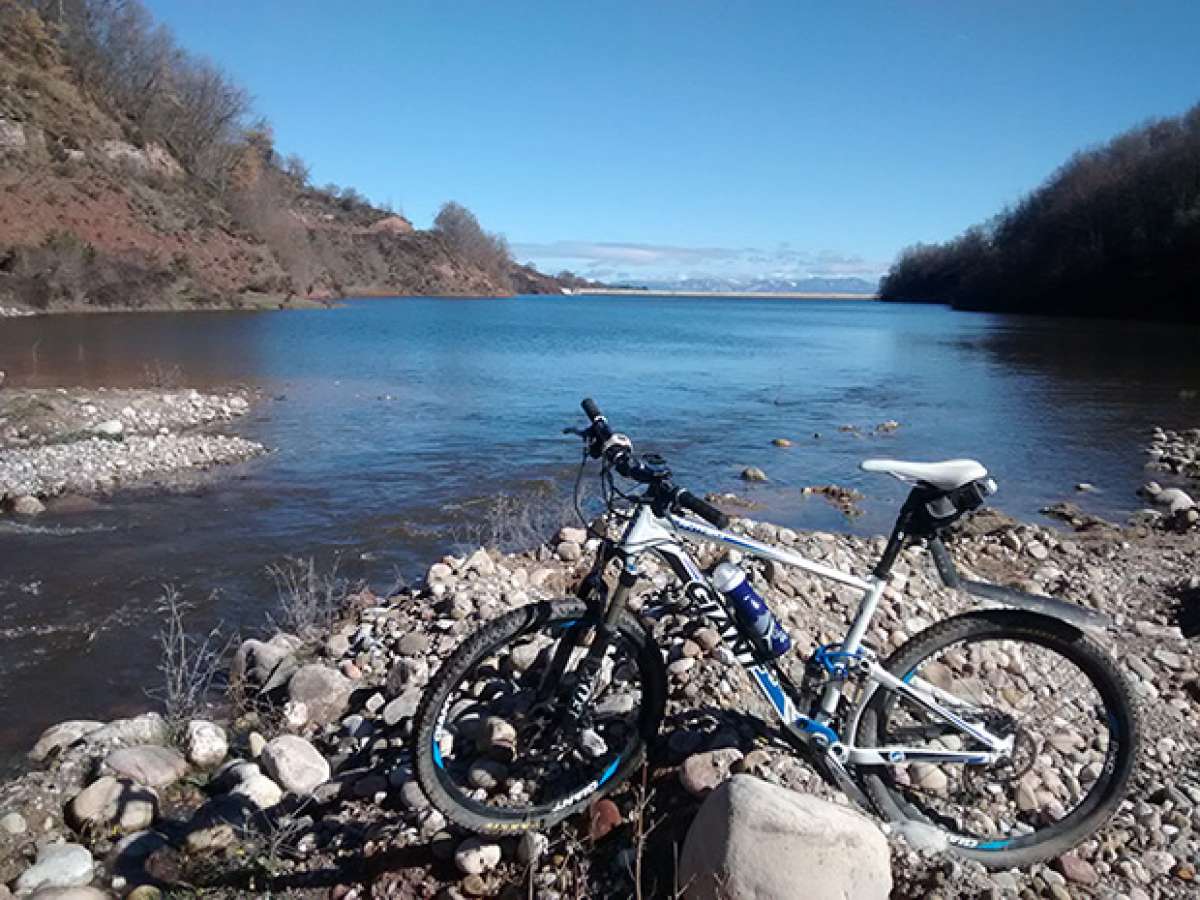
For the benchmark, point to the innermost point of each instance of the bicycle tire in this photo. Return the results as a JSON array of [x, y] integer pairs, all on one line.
[[491, 638], [1113, 688]]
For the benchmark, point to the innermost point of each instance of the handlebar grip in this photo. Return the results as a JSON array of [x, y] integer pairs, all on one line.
[[703, 509], [592, 410]]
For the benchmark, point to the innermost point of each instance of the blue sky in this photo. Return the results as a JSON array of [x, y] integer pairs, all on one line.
[[662, 139]]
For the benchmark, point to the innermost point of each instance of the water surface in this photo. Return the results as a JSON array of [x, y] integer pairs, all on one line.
[[391, 418]]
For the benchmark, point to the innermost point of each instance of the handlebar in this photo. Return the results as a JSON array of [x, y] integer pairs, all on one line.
[[617, 449]]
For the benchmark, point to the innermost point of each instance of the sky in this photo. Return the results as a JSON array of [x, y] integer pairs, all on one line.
[[673, 138]]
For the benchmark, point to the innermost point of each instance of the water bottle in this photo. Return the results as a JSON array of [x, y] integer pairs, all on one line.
[[751, 609]]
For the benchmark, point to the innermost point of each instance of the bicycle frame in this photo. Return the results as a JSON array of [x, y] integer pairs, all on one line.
[[649, 532]]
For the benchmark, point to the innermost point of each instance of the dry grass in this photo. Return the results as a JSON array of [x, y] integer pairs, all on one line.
[[189, 664], [309, 601]]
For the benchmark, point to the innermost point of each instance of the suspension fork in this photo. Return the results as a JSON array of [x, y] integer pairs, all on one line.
[[594, 591]]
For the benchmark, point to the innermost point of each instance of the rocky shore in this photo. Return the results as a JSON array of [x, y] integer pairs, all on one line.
[[91, 442], [303, 783]]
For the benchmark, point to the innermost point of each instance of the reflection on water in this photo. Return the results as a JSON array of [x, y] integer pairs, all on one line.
[[389, 415]]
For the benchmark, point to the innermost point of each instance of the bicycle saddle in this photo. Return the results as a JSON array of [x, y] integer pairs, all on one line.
[[945, 476]]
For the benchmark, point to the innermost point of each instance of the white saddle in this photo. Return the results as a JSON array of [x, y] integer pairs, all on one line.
[[946, 476]]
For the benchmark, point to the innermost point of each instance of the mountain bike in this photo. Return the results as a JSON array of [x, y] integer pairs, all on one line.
[[1008, 729]]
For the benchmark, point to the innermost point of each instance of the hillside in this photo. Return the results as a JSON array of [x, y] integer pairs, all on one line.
[[1113, 233], [130, 178]]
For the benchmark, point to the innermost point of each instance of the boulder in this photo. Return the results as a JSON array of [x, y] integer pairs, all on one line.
[[259, 790], [324, 691], [57, 866], [752, 839], [59, 737], [113, 801], [148, 728], [156, 767], [295, 763], [266, 665], [207, 744], [70, 893], [28, 505], [753, 473]]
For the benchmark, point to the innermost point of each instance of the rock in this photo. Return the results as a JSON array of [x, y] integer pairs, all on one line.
[[921, 836], [324, 691], [259, 790], [753, 839], [58, 737], [403, 707], [337, 646], [439, 572], [487, 774], [58, 865], [266, 665], [572, 535], [295, 763], [930, 778], [413, 644], [256, 743], [153, 766], [13, 823], [781, 442], [497, 739], [408, 672], [1085, 486], [1174, 499], [206, 743], [412, 797], [28, 505], [532, 847], [708, 639], [1077, 870], [113, 801], [603, 818], [147, 729], [113, 429], [569, 551], [702, 772], [753, 473], [480, 562], [1037, 550], [474, 856], [71, 893]]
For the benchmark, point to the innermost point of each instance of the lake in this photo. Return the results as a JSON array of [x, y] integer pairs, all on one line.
[[393, 421]]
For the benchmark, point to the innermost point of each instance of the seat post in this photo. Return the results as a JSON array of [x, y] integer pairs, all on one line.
[[899, 536]]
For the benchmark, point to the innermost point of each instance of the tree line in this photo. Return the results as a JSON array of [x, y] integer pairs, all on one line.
[[1114, 232]]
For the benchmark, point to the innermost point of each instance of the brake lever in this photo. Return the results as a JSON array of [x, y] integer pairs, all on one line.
[[578, 432]]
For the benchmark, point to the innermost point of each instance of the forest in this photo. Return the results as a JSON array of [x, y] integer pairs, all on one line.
[[1113, 233]]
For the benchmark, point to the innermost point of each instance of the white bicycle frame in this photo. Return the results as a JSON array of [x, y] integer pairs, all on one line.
[[648, 532]]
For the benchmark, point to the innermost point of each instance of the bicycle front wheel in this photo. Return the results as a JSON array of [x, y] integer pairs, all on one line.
[[493, 750], [1060, 696]]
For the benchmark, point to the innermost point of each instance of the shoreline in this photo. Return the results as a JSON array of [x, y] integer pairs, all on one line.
[[60, 443], [346, 688]]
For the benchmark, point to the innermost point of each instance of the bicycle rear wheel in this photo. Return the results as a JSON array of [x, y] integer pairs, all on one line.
[[1062, 698], [491, 749]]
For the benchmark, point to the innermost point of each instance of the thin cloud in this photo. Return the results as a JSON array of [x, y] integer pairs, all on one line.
[[612, 260]]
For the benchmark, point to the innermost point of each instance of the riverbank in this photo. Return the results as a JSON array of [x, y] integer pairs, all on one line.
[[304, 782], [58, 443]]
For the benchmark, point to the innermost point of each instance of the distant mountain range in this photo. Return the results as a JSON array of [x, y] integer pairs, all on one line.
[[755, 285]]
